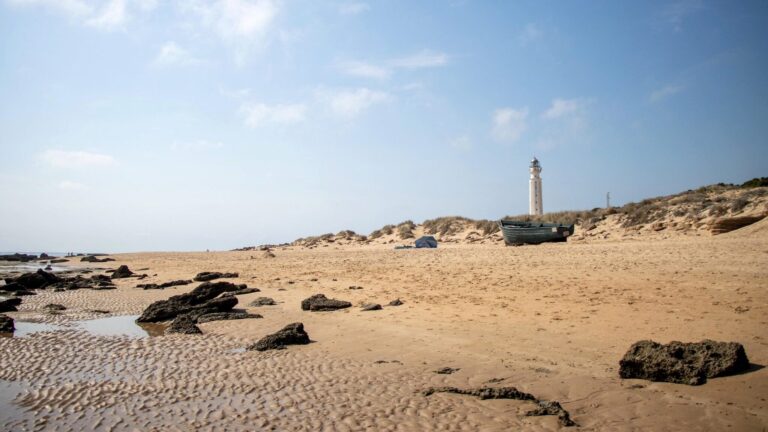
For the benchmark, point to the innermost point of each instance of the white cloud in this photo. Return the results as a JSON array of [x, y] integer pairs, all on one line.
[[365, 70], [564, 107], [675, 13], [259, 114], [463, 142], [423, 59], [71, 186], [665, 92], [111, 16], [199, 145], [172, 54], [235, 19], [530, 34], [76, 159], [353, 8], [509, 124], [351, 102]]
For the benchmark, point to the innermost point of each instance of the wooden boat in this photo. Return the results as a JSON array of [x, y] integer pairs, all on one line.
[[518, 233]]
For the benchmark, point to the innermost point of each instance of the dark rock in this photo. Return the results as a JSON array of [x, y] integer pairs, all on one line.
[[6, 324], [683, 363], [98, 311], [552, 408], [371, 307], [9, 305], [44, 256], [164, 284], [201, 300], [262, 301], [38, 280], [319, 302], [246, 290], [122, 272], [396, 302], [54, 307], [58, 261], [219, 316], [292, 334], [94, 259], [20, 293], [18, 257], [183, 324], [13, 286], [355, 287], [209, 276], [447, 370]]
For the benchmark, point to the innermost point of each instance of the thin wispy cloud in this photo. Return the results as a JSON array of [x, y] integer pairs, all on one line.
[[349, 103], [111, 16], [675, 13], [258, 114], [76, 159], [531, 33], [564, 107], [353, 8], [509, 124], [105, 15], [665, 92], [384, 69], [234, 20], [172, 54]]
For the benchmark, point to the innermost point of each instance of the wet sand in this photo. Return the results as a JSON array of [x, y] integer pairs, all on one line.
[[552, 320]]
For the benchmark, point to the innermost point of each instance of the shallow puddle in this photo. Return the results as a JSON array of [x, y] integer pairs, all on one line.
[[122, 325], [27, 328]]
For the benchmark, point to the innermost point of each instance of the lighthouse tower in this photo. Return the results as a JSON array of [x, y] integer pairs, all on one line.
[[535, 206]]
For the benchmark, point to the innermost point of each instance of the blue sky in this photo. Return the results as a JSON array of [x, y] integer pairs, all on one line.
[[132, 125]]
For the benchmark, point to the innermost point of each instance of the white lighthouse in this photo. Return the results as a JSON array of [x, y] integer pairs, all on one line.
[[535, 206]]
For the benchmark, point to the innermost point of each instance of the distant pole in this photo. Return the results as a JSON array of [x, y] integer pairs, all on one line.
[[608, 200]]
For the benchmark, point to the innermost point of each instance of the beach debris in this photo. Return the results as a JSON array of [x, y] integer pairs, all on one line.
[[543, 407], [95, 259], [201, 300], [319, 302], [292, 334], [6, 324], [371, 307], [396, 302], [53, 307], [447, 370], [164, 284], [209, 276], [355, 287], [9, 305], [262, 301], [122, 272], [183, 324], [683, 363], [221, 316]]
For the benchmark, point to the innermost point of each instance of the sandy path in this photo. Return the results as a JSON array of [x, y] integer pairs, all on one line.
[[552, 320]]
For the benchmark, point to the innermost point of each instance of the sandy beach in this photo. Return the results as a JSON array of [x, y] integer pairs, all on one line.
[[552, 320]]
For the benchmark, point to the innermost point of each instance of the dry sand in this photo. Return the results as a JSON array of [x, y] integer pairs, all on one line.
[[552, 320]]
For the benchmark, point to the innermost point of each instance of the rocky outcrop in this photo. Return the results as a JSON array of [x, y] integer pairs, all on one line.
[[543, 407], [292, 334], [6, 324], [79, 282], [183, 324], [17, 257], [371, 307], [95, 259], [122, 272], [37, 280], [724, 225], [683, 363], [319, 302], [164, 285], [262, 301], [201, 300], [9, 305], [209, 276], [220, 316]]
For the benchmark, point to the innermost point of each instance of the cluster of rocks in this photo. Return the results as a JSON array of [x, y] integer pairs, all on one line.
[[18, 257], [209, 276], [543, 407], [683, 363], [95, 259], [41, 279]]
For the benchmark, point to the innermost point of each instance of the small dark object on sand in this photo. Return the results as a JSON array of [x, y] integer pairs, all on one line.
[[54, 307], [552, 408], [683, 363], [209, 276], [371, 307], [263, 301], [396, 302], [6, 324], [122, 272], [319, 302], [447, 370], [292, 334]]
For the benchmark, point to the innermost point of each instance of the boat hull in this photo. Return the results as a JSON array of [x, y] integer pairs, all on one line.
[[519, 233]]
